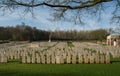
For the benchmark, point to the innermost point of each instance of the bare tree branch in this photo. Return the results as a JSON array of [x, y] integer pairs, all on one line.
[[62, 7], [82, 4]]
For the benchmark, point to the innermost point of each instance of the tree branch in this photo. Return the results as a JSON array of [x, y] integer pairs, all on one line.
[[82, 4]]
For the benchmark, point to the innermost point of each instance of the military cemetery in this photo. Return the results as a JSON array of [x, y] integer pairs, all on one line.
[[59, 37], [81, 53]]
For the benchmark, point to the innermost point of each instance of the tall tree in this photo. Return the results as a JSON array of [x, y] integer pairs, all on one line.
[[117, 30]]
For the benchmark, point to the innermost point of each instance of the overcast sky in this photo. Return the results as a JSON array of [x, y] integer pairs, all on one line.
[[41, 20]]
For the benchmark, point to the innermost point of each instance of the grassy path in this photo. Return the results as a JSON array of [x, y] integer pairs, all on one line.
[[16, 69]]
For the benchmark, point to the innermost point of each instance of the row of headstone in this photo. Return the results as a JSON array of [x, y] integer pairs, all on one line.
[[61, 55], [3, 58], [70, 59]]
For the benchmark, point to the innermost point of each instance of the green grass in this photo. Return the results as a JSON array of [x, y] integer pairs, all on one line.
[[17, 69], [70, 44]]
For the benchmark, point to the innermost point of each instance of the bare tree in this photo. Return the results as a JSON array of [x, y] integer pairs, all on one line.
[[78, 8], [117, 30]]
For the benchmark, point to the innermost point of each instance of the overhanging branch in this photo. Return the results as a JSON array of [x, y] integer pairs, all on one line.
[[82, 4]]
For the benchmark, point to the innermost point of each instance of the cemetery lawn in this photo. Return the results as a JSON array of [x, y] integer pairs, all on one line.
[[18, 69]]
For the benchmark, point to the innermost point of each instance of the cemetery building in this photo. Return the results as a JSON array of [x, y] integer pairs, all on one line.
[[113, 40]]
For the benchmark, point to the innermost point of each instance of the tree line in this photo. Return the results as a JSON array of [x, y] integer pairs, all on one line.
[[27, 33], [98, 34]]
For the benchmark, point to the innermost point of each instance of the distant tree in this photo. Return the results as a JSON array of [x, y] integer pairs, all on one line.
[[28, 33], [99, 34], [117, 29], [111, 31]]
